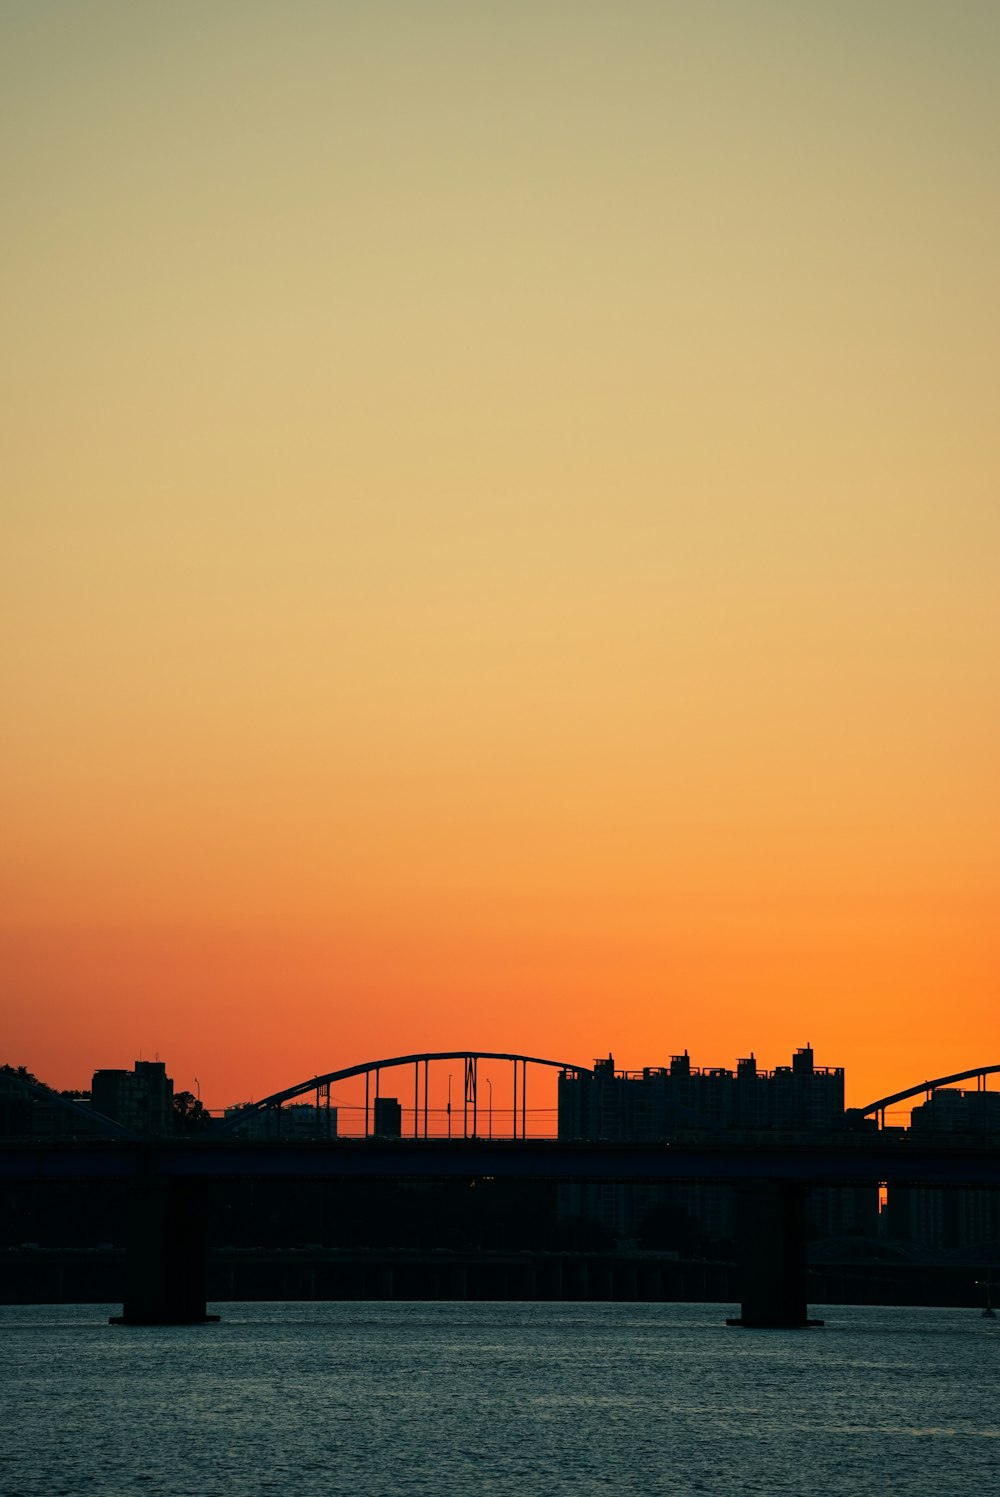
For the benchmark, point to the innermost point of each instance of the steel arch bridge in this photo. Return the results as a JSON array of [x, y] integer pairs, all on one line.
[[421, 1063], [927, 1089]]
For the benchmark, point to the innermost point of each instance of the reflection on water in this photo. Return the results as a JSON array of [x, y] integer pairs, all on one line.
[[394, 1398]]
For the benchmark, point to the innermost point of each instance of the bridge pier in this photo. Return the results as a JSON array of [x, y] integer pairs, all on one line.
[[772, 1237], [165, 1253]]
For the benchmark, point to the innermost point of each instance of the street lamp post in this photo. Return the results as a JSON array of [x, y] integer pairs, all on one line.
[[449, 1104], [490, 1085]]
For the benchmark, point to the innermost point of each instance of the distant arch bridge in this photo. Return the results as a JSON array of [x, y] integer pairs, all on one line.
[[319, 1086], [927, 1090]]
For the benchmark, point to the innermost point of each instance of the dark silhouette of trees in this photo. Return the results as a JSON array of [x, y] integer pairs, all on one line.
[[189, 1114], [21, 1073]]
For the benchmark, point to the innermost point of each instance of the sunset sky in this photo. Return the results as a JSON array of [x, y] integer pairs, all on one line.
[[500, 534]]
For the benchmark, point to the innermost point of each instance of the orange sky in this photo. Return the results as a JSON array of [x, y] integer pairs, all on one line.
[[500, 537]]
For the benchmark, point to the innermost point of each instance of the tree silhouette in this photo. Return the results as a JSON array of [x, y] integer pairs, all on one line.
[[189, 1114]]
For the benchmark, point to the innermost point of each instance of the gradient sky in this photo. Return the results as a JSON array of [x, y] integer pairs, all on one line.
[[500, 536]]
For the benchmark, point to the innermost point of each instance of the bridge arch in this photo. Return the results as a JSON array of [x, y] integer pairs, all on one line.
[[927, 1088], [320, 1086]]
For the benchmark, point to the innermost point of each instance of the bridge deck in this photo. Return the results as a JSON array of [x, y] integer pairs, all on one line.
[[862, 1161]]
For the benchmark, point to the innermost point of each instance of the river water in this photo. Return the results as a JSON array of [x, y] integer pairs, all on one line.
[[458, 1398]]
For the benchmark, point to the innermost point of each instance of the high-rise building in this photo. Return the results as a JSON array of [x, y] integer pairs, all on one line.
[[666, 1102], [659, 1102], [141, 1099]]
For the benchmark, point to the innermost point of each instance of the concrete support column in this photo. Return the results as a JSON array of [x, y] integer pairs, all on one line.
[[165, 1254], [772, 1236]]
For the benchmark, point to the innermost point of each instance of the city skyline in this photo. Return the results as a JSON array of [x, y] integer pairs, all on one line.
[[471, 1091], [501, 535]]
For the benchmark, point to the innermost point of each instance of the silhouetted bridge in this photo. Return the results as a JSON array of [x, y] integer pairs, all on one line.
[[847, 1160], [167, 1180]]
